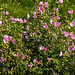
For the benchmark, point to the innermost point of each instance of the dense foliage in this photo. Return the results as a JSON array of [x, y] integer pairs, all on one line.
[[39, 43]]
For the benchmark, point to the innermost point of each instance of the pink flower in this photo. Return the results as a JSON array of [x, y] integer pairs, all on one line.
[[47, 10], [3, 12], [34, 15], [9, 38], [17, 19], [12, 18], [14, 41], [24, 57], [45, 49], [27, 27], [5, 39], [72, 43], [46, 4], [1, 59], [65, 34], [70, 48], [41, 8], [0, 22], [56, 9], [21, 21], [41, 48], [28, 16], [25, 21], [61, 1], [70, 12], [16, 55], [40, 3], [35, 61], [48, 59], [72, 36], [58, 18], [56, 24], [51, 21], [45, 26], [60, 54], [7, 12], [53, 14], [26, 36], [31, 65], [72, 24]]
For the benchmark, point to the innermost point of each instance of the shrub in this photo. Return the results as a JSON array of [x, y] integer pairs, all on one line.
[[42, 43]]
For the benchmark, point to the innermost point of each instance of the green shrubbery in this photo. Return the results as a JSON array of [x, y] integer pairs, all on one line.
[[40, 43]]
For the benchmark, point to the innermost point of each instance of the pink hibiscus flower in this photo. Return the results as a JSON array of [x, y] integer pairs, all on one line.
[[65, 34], [41, 9], [72, 36], [70, 12], [72, 24], [70, 48], [35, 61], [31, 65], [55, 9], [46, 4], [45, 26], [61, 1], [56, 24], [48, 59]]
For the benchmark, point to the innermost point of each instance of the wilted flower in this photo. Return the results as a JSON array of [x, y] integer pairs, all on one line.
[[72, 63], [70, 12], [31, 65]]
